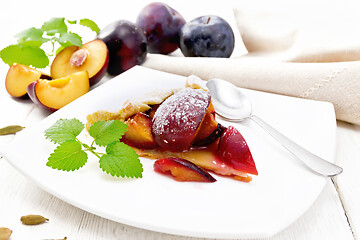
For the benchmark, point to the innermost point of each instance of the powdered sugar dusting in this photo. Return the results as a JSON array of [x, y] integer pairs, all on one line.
[[180, 115]]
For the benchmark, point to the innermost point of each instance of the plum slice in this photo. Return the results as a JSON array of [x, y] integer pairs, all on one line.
[[55, 94], [138, 132], [207, 127], [234, 151], [19, 77], [177, 119], [182, 170]]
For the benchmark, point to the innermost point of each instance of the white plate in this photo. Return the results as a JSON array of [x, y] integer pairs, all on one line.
[[281, 193]]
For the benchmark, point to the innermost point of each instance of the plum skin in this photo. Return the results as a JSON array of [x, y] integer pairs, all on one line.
[[176, 120], [207, 36], [182, 166], [127, 45], [234, 150], [32, 95], [100, 74], [161, 25]]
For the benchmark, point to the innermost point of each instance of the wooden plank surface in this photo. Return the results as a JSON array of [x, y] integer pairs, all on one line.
[[348, 183]]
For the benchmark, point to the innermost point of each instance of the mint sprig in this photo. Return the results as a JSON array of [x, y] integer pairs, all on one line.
[[71, 154], [30, 49]]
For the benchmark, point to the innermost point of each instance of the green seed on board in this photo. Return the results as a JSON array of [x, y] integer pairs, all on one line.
[[10, 129], [5, 233], [33, 219]]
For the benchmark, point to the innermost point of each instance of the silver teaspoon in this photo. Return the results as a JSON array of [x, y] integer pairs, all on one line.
[[231, 104]]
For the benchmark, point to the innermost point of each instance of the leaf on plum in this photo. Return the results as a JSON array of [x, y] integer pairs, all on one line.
[[26, 55], [60, 49]]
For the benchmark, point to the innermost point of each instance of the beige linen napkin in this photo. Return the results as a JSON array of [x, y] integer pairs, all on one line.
[[287, 55]]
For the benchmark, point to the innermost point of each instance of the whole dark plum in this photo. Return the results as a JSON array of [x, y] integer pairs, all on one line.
[[126, 43], [161, 25], [207, 36]]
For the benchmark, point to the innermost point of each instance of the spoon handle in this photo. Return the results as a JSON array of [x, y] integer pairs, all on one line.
[[314, 162]]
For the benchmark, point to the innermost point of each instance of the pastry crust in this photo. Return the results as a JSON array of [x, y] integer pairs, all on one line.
[[131, 107], [141, 104]]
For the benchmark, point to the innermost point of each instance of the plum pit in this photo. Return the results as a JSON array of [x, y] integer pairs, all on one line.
[[78, 58]]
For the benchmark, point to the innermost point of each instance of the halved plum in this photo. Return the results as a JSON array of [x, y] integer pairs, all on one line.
[[19, 77], [92, 57], [234, 151], [182, 170], [138, 132], [178, 118], [55, 94]]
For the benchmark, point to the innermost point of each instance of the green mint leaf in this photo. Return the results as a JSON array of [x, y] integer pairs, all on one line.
[[106, 132], [90, 24], [59, 49], [26, 55], [72, 21], [54, 25], [121, 160], [64, 130], [68, 156], [31, 37], [68, 39], [62, 46]]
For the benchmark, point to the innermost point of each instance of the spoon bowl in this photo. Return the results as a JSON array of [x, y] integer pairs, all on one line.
[[228, 101], [231, 104]]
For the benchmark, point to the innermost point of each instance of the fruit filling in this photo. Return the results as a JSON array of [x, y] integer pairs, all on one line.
[[182, 170], [182, 128], [59, 83]]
